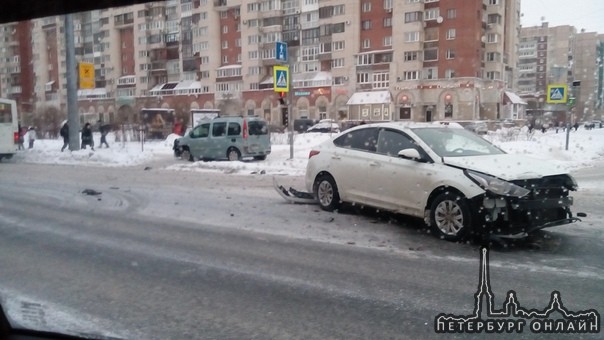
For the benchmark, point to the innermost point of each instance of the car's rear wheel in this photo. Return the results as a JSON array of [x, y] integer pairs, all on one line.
[[233, 154], [326, 192], [450, 216]]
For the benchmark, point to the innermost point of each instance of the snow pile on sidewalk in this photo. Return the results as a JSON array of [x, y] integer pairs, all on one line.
[[585, 148]]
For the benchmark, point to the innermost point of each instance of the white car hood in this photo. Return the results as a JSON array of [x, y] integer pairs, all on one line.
[[506, 166]]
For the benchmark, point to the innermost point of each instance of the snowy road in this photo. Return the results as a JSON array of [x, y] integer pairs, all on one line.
[[165, 254]]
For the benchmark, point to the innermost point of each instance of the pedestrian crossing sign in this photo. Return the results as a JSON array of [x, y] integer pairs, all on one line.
[[281, 78], [557, 93]]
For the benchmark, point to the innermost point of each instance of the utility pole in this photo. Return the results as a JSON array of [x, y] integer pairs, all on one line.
[[284, 88], [73, 120], [572, 104]]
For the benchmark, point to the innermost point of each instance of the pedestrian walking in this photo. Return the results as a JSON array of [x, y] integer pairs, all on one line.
[[87, 137], [21, 138], [65, 134], [31, 136], [104, 129]]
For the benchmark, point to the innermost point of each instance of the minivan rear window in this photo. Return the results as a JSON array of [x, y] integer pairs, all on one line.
[[257, 128]]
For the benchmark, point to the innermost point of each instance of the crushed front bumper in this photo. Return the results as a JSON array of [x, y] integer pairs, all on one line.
[[511, 217]]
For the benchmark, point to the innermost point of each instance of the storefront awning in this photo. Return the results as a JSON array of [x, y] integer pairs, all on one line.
[[188, 84], [373, 97], [226, 67], [98, 92], [514, 98], [268, 80]]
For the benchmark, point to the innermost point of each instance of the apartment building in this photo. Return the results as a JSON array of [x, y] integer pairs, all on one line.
[[587, 75], [560, 55], [16, 71], [370, 60]]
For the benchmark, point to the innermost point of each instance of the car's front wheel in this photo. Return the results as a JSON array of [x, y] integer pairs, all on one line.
[[185, 154], [450, 216], [326, 192]]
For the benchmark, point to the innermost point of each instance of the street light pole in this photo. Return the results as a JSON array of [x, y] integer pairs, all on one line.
[[73, 120], [290, 100]]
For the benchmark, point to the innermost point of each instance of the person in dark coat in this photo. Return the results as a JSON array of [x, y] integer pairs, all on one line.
[[87, 137], [65, 134], [104, 129]]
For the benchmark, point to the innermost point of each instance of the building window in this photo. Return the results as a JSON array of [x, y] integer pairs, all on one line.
[[225, 59], [411, 36], [388, 22], [451, 33], [381, 80], [338, 45], [365, 59], [367, 7], [225, 44], [450, 73], [412, 56], [493, 75], [431, 54], [225, 29], [450, 53], [366, 25], [388, 4], [451, 13], [337, 63], [431, 73], [413, 17], [411, 75], [362, 78], [492, 38], [366, 43], [388, 41], [493, 56], [448, 110], [431, 14]]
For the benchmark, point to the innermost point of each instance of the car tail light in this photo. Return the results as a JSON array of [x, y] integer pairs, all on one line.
[[245, 132], [313, 153], [16, 137]]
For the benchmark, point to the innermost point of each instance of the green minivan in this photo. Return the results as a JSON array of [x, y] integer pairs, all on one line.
[[231, 138]]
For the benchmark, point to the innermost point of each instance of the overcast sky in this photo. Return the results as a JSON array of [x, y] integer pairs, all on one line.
[[588, 14]]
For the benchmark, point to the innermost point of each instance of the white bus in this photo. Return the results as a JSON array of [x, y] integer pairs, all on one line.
[[9, 128]]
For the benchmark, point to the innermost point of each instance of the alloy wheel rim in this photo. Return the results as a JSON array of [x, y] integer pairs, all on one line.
[[325, 193], [449, 217]]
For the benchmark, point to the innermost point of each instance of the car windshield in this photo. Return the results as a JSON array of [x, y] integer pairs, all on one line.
[[449, 142]]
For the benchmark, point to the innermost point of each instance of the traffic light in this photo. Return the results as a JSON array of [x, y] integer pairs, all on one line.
[[282, 98], [285, 116]]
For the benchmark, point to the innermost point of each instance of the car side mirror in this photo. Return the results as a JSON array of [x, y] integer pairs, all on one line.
[[409, 154]]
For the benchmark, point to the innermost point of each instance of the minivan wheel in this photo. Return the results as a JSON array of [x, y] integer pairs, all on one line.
[[326, 192], [185, 154], [450, 216], [233, 154]]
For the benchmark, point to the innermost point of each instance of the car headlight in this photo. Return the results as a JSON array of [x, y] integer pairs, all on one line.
[[496, 185]]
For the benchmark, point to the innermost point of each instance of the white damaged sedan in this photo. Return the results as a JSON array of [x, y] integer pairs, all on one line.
[[456, 180]]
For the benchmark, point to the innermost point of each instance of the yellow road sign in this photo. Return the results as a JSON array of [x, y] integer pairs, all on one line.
[[281, 78], [557, 93], [86, 76]]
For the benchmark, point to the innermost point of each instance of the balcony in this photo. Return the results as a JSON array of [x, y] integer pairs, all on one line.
[[224, 4], [14, 90], [158, 66], [124, 22]]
